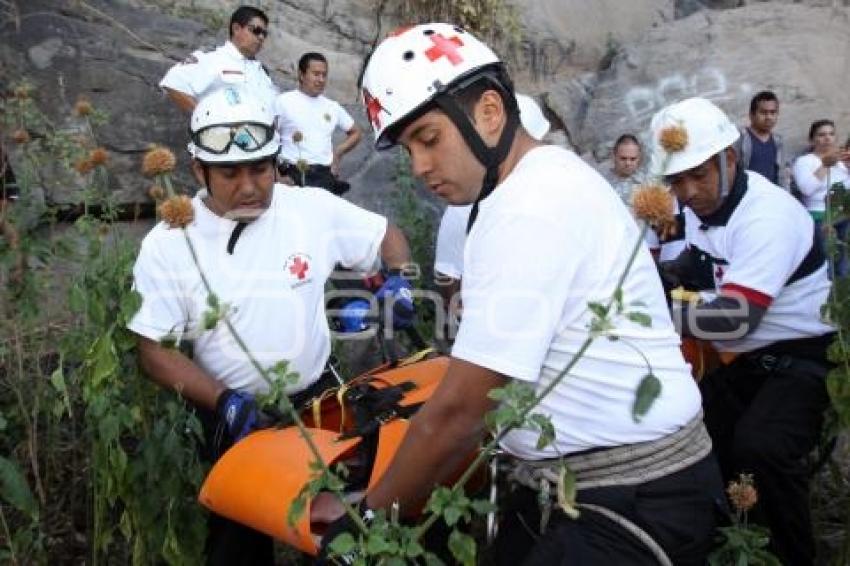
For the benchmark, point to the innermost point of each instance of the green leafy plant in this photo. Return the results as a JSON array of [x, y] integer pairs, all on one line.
[[85, 434], [743, 543]]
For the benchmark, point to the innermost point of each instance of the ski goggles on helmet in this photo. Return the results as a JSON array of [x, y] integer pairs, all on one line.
[[247, 136]]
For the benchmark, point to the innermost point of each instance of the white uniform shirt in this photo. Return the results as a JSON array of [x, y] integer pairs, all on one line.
[[550, 239], [316, 118], [754, 254], [274, 282], [812, 188], [202, 73], [451, 238]]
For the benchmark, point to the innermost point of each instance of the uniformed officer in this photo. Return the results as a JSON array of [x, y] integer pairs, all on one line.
[[231, 64]]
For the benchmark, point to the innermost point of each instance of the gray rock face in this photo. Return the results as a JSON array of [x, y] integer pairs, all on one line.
[[602, 68], [726, 56]]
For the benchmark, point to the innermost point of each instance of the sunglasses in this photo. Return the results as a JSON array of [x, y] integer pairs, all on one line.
[[249, 137], [259, 31]]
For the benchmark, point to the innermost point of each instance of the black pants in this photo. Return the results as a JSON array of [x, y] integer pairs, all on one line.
[[764, 415], [230, 543], [314, 176], [679, 511]]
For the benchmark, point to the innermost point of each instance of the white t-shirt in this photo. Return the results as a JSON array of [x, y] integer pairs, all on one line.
[[451, 238], [754, 254], [814, 189], [316, 117], [274, 282], [202, 73], [549, 240]]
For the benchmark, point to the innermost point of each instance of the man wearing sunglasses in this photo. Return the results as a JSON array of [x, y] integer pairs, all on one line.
[[266, 251], [231, 64]]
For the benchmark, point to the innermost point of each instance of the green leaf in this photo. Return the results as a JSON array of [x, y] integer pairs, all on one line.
[[483, 506], [640, 318], [210, 319], [543, 423], [618, 299], [170, 341], [57, 380], [414, 549], [376, 544], [103, 359], [598, 309], [647, 392], [212, 301], [462, 547], [452, 515], [343, 544], [131, 302], [15, 490], [76, 298]]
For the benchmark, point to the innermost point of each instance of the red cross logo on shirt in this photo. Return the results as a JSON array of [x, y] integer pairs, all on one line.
[[373, 108], [299, 267], [444, 47]]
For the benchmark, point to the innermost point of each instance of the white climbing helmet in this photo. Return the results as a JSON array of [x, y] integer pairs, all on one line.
[[412, 66], [231, 126], [709, 132], [531, 117]]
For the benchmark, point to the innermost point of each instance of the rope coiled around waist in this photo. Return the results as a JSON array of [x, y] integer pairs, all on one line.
[[632, 464]]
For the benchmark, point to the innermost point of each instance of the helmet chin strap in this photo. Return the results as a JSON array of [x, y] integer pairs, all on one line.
[[724, 177], [489, 157]]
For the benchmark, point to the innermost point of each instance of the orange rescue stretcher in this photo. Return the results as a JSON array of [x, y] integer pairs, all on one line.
[[257, 480]]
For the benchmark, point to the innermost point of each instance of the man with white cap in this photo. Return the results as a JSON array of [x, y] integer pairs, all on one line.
[[754, 248], [266, 250], [547, 237]]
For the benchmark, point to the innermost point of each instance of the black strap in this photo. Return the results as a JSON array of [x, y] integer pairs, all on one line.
[[489, 157], [373, 406], [237, 231], [813, 260]]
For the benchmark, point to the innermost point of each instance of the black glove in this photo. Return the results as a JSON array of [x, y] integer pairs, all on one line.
[[671, 275], [344, 524]]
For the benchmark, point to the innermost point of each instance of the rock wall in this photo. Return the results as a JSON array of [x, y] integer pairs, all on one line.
[[727, 56], [601, 67]]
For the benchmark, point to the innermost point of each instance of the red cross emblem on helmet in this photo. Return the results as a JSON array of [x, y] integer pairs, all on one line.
[[445, 47], [373, 108]]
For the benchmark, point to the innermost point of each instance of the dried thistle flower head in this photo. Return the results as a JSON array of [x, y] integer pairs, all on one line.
[[99, 156], [742, 493], [84, 166], [21, 136], [83, 107], [673, 138], [297, 137], [156, 192], [302, 165], [157, 161], [23, 91], [653, 203], [177, 211]]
